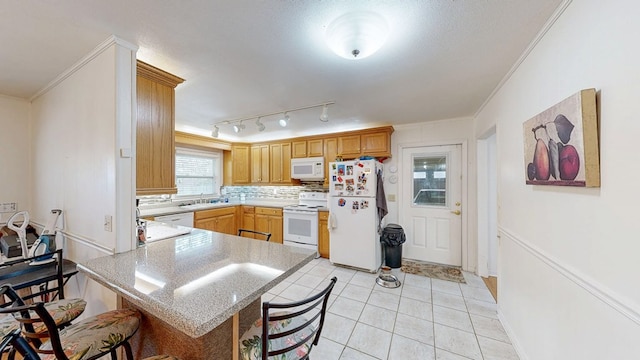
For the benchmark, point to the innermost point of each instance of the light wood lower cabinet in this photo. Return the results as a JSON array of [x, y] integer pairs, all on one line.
[[323, 234], [248, 220], [270, 220], [221, 220]]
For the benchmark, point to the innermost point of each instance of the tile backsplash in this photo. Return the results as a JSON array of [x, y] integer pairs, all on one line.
[[233, 193]]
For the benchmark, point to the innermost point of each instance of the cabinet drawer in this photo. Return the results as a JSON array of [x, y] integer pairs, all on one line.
[[214, 212], [248, 209], [268, 211]]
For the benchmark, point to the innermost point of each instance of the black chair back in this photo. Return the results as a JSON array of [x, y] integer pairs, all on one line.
[[265, 234], [313, 308], [49, 282], [19, 344]]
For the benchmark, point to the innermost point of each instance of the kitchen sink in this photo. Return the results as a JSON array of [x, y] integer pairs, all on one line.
[[202, 206]]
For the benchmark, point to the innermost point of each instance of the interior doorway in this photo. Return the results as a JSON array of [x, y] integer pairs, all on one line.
[[488, 246]]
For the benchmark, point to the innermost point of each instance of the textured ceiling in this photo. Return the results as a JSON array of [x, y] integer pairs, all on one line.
[[243, 58]]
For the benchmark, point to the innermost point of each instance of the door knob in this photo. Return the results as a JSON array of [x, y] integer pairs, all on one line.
[[457, 212]]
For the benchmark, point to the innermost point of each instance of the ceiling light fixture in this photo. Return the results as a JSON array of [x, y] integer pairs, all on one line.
[[324, 117], [357, 35], [239, 127], [260, 125], [285, 120]]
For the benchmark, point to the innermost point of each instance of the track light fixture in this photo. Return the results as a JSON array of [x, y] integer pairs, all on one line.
[[284, 121], [239, 127], [324, 117], [260, 125]]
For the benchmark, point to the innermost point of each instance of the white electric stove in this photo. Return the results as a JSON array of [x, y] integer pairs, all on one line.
[[301, 220]]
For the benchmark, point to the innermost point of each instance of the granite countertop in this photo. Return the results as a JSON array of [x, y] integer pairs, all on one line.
[[173, 209], [197, 281]]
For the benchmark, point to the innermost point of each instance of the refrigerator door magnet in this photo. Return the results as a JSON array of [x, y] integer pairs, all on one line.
[[342, 202]]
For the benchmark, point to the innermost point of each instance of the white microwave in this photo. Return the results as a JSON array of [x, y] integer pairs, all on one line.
[[308, 168]]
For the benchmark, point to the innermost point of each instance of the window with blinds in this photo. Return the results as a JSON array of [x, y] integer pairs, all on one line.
[[198, 172]]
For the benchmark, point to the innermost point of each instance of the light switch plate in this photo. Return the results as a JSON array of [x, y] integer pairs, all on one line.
[[108, 223]]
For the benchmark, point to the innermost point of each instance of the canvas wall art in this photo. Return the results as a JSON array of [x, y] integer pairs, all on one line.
[[561, 143]]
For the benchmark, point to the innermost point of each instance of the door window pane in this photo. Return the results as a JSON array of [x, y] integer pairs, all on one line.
[[430, 180]]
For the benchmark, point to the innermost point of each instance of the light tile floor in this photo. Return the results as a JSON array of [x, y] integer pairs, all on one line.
[[423, 319]]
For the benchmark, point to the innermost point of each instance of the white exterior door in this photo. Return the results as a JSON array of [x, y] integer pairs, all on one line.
[[431, 203]]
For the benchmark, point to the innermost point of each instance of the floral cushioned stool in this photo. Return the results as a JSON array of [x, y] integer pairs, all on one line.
[[63, 313], [287, 335]]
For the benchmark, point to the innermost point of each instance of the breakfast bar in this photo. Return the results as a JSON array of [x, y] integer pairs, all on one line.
[[197, 292]]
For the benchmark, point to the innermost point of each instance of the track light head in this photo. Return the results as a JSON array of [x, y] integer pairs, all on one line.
[[260, 125], [324, 117], [239, 127], [285, 120], [215, 132]]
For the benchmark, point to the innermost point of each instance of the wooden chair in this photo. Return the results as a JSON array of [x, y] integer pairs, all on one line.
[[289, 333], [89, 339], [265, 234]]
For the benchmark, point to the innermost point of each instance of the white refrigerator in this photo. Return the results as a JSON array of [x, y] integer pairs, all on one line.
[[353, 216]]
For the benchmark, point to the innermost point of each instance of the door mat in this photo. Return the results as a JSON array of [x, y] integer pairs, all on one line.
[[436, 271]]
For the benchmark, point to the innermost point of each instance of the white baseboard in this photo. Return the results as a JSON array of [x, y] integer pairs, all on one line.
[[512, 336]]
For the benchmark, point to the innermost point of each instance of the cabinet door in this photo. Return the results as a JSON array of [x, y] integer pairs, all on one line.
[[155, 147], [262, 224], [349, 146], [286, 163], [299, 149], [275, 227], [276, 162], [260, 164], [226, 224], [323, 234], [330, 153], [376, 144], [247, 221], [240, 164], [314, 148], [206, 224]]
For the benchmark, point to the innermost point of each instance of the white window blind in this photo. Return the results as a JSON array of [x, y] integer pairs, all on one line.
[[198, 172]]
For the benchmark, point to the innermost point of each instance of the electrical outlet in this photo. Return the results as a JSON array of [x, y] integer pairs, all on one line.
[[107, 223], [391, 197], [9, 207]]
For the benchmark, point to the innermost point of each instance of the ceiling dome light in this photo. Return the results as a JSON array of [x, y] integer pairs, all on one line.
[[260, 125], [238, 128], [324, 117], [357, 35], [215, 132], [285, 120]]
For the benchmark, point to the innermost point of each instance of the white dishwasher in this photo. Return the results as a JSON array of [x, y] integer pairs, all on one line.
[[182, 219]]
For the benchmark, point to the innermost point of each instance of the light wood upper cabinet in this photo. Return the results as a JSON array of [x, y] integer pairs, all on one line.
[[315, 148], [323, 234], [280, 159], [270, 220], [349, 146], [330, 153], [260, 164], [155, 141], [376, 144], [240, 164], [299, 149]]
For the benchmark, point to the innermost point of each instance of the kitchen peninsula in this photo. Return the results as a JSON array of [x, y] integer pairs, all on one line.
[[196, 292]]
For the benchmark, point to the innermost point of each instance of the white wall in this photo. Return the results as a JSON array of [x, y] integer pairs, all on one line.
[[14, 153], [568, 261], [452, 131], [80, 122]]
